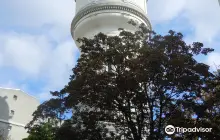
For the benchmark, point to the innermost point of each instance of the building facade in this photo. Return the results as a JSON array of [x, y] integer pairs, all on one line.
[[16, 109]]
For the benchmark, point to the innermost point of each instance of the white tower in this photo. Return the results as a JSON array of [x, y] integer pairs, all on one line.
[[106, 16]]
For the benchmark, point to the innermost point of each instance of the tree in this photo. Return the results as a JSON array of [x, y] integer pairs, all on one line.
[[54, 109], [134, 84], [42, 131], [1, 134], [4, 134]]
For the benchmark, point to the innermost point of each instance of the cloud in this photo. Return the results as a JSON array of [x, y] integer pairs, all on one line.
[[11, 84], [164, 10], [36, 13], [37, 52], [198, 20], [43, 96], [36, 48], [204, 16], [201, 16], [24, 52], [63, 59], [36, 58], [214, 61]]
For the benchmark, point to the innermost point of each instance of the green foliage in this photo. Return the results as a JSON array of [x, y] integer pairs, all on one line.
[[4, 134], [42, 131], [136, 82], [53, 109]]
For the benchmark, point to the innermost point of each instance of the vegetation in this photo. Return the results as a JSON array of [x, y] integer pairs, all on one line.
[[132, 86], [4, 134], [42, 131]]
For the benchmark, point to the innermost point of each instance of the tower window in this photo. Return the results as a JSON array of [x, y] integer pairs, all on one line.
[[12, 112], [15, 97]]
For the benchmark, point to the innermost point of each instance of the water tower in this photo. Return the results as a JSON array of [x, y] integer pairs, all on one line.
[[106, 16]]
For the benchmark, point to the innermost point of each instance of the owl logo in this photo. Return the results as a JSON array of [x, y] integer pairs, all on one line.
[[170, 129]]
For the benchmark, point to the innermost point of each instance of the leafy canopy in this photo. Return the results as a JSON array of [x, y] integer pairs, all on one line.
[[134, 84]]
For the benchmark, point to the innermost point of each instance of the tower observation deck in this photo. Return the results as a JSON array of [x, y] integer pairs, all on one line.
[[106, 16]]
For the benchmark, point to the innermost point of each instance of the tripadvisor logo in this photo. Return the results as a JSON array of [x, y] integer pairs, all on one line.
[[170, 129]]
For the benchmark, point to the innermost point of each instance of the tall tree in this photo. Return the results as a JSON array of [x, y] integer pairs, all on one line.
[[132, 85], [42, 131], [146, 76], [53, 109]]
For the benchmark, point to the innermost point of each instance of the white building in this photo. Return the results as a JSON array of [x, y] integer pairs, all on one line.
[[16, 109]]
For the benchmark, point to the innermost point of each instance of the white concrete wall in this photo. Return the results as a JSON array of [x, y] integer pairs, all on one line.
[[23, 109], [141, 4], [107, 22]]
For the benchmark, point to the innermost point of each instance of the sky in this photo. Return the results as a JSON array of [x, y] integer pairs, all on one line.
[[37, 52]]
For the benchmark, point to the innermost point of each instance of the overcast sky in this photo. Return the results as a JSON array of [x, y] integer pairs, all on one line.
[[37, 52]]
